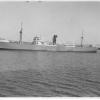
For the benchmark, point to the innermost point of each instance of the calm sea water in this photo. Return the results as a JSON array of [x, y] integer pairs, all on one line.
[[49, 74]]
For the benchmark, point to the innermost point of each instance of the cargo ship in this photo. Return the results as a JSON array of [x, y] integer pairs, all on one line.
[[37, 45]]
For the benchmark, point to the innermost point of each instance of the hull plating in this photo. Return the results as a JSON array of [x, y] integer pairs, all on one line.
[[30, 47]]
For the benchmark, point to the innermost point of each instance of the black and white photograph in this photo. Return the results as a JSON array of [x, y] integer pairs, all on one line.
[[49, 48]]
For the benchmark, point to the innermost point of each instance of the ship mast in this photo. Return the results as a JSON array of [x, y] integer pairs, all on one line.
[[21, 32], [82, 39]]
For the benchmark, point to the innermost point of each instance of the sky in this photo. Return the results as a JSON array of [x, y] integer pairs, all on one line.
[[66, 19]]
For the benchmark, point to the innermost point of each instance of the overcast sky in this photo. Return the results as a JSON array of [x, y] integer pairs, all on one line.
[[66, 19]]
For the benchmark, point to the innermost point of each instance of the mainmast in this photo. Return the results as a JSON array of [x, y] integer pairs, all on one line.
[[82, 39], [21, 32]]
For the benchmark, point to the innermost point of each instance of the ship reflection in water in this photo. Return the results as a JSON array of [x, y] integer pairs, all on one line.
[[28, 73]]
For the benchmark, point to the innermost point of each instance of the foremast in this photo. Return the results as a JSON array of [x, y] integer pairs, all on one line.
[[21, 33], [82, 37]]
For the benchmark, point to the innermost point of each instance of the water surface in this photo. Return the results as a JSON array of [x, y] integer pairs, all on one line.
[[49, 74]]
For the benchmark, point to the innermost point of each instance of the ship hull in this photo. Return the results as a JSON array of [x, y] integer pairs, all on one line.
[[58, 48]]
